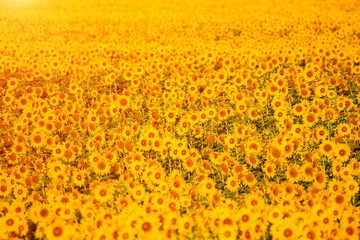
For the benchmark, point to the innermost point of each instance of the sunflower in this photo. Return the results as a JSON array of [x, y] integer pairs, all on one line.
[[228, 233], [186, 224], [79, 177], [298, 109], [274, 153], [307, 173], [241, 107], [311, 232], [343, 129], [22, 227], [253, 146], [272, 88], [321, 90], [19, 148], [297, 130], [320, 179], [287, 230], [327, 148], [249, 180], [340, 200], [292, 173], [252, 160], [209, 92], [278, 103], [124, 102], [148, 228], [10, 223], [103, 192], [342, 152], [207, 186], [350, 231], [43, 213], [8, 99], [183, 127], [69, 155], [246, 218], [280, 114], [189, 164], [310, 119], [287, 150], [12, 83], [92, 117], [321, 133], [345, 174], [354, 166], [329, 114], [269, 169], [231, 141], [222, 113], [136, 168], [255, 201], [210, 112], [101, 167], [20, 192], [5, 189], [170, 115], [37, 140], [157, 175], [304, 92], [275, 214], [57, 230], [253, 114], [232, 183], [336, 167], [351, 187], [138, 193], [125, 234]]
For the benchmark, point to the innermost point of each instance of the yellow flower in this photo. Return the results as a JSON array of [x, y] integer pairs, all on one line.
[[5, 189], [269, 169], [37, 140], [232, 183], [297, 130], [320, 179], [20, 191], [12, 84], [103, 192], [101, 167], [327, 148], [298, 109], [230, 141], [307, 172], [342, 152], [185, 224], [138, 193], [148, 228], [189, 164], [253, 114], [343, 129], [310, 119], [170, 115], [321, 133], [351, 187], [249, 180], [293, 173], [57, 230], [207, 186], [79, 177]]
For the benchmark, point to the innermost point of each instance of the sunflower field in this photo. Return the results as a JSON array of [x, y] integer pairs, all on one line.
[[179, 119]]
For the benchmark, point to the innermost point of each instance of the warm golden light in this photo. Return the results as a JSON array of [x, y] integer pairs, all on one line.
[[179, 119]]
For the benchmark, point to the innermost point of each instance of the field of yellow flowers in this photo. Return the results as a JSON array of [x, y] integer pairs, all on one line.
[[228, 119]]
